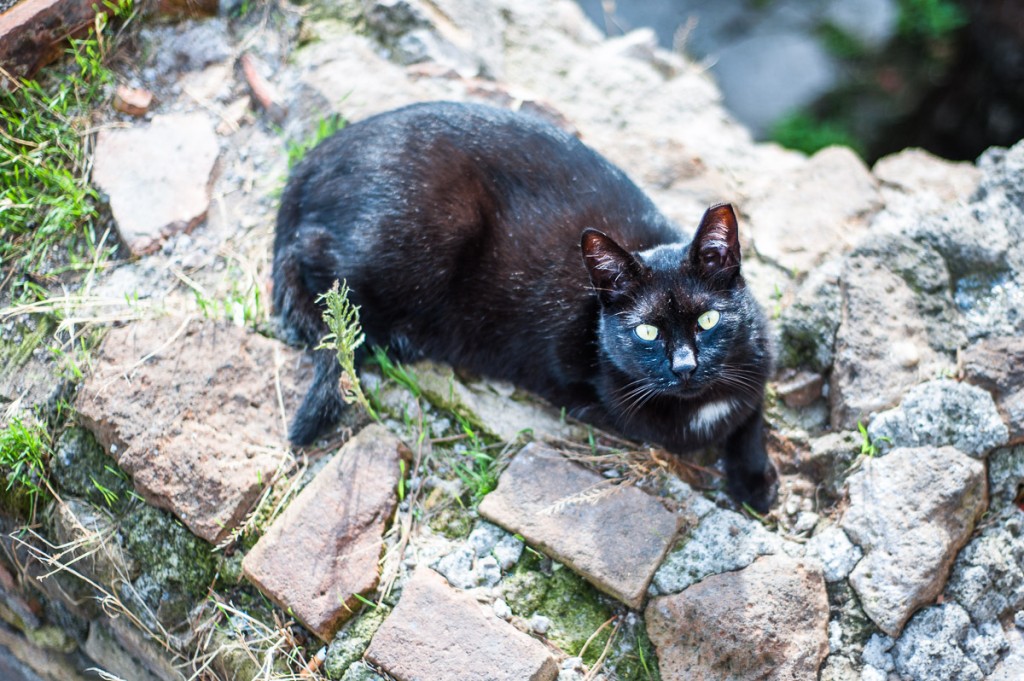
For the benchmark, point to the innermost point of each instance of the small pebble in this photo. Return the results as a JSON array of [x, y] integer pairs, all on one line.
[[508, 551], [540, 624], [1018, 619], [501, 609]]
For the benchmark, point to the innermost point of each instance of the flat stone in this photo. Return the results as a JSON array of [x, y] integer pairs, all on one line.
[[32, 34], [881, 348], [324, 549], [766, 621], [938, 413], [997, 365], [191, 410], [437, 632], [910, 512], [157, 176], [836, 195], [496, 406], [571, 512]]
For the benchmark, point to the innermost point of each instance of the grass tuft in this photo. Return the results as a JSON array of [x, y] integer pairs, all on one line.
[[24, 450]]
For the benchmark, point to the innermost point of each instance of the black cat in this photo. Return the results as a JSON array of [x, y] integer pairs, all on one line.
[[459, 229]]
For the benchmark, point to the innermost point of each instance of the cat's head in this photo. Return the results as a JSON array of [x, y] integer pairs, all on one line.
[[678, 319]]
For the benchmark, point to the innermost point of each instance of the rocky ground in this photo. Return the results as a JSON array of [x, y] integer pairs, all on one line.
[[473, 533]]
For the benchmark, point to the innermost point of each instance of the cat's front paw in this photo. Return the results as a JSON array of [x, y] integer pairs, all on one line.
[[758, 490]]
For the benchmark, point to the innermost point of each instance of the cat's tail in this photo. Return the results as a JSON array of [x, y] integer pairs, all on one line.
[[295, 301]]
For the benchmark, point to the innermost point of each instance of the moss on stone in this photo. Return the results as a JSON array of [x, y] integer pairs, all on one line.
[[575, 608], [360, 672], [351, 642], [51, 637], [453, 522], [81, 467], [175, 559]]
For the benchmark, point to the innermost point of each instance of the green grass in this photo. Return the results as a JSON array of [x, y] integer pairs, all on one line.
[[868, 447], [24, 450], [930, 19], [45, 198], [327, 126], [805, 133], [476, 468]]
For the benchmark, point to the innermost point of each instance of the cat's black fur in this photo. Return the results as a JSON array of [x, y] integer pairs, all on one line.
[[460, 230]]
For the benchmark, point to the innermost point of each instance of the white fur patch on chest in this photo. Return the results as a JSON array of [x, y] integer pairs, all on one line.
[[710, 415]]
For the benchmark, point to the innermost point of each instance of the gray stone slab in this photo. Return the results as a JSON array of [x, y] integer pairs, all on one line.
[[614, 537]]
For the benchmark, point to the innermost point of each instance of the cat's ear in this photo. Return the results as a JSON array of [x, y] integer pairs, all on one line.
[[614, 272], [715, 251]]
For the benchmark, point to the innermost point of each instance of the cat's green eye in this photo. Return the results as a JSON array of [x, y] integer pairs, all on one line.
[[646, 332], [708, 319]]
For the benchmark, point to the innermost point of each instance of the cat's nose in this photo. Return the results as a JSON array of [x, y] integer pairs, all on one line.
[[684, 363]]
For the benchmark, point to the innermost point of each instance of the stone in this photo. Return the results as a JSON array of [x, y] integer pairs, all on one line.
[[32, 34], [157, 176], [1010, 669], [497, 407], [985, 645], [723, 541], [865, 378], [838, 555], [436, 632], [827, 459], [767, 620], [351, 642], [932, 647], [93, 534], [808, 326], [507, 551], [570, 512], [997, 365], [187, 46], [988, 576], [910, 512], [132, 101], [29, 376], [968, 245], [939, 413], [80, 467], [1006, 480], [108, 650], [800, 389], [199, 438], [845, 198], [483, 539], [925, 271], [916, 172], [324, 549], [465, 570], [878, 653]]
